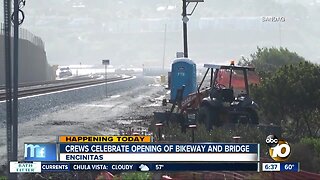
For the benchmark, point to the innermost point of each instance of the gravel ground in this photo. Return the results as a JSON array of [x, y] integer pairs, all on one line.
[[85, 112]]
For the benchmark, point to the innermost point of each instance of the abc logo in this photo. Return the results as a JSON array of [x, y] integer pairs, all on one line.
[[279, 149]]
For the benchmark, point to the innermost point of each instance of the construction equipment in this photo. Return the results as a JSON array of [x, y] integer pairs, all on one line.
[[217, 104], [225, 104]]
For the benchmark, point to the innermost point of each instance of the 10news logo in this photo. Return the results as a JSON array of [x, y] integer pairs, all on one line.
[[279, 149]]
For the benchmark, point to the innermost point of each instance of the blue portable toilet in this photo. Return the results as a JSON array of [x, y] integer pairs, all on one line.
[[183, 72]]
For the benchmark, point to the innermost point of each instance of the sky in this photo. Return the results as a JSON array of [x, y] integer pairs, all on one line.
[[144, 32]]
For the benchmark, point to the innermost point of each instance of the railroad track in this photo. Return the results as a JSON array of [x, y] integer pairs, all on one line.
[[38, 83], [58, 87]]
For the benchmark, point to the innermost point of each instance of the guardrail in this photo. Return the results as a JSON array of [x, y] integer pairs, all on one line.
[[26, 35]]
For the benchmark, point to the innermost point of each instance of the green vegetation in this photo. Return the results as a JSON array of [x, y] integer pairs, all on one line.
[[290, 97], [248, 133], [289, 94], [268, 60], [314, 143], [134, 176], [308, 153], [57, 176]]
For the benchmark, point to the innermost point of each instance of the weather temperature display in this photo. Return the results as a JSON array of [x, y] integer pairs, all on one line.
[[281, 167]]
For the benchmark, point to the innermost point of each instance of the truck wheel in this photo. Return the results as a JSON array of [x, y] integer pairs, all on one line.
[[206, 116], [253, 116]]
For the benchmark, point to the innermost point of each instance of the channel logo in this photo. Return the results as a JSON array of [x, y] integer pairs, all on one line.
[[40, 152], [279, 149]]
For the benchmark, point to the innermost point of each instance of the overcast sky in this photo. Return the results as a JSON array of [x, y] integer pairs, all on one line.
[[132, 32]]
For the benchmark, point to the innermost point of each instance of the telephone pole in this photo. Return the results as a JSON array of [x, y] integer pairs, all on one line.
[[11, 71], [185, 20]]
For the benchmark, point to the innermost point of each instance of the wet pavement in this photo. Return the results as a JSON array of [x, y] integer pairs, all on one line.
[[129, 107]]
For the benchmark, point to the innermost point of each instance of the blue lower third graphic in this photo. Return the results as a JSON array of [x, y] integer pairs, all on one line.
[[144, 167], [40, 152]]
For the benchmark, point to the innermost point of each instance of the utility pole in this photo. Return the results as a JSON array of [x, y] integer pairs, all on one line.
[[7, 34], [15, 81], [185, 20], [11, 70]]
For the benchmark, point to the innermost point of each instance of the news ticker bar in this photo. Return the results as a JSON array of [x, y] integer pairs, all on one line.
[[37, 167], [281, 167]]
